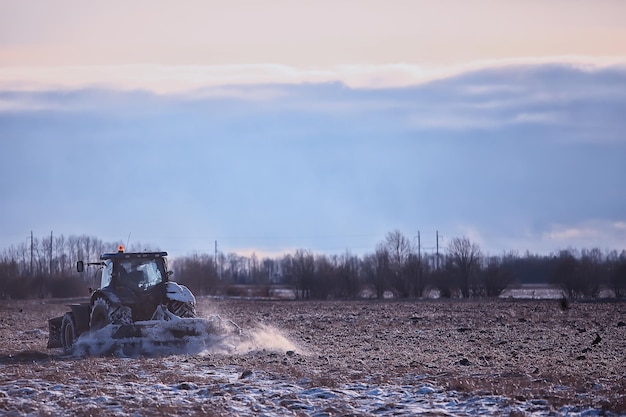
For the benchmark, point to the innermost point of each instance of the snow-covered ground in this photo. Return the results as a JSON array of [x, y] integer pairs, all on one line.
[[435, 357], [230, 392]]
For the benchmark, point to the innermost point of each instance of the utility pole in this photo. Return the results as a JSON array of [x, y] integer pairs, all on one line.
[[419, 262], [50, 268], [437, 258], [216, 271], [419, 253], [31, 253]]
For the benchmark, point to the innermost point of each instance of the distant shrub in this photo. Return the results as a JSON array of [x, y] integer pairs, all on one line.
[[618, 279], [494, 280], [446, 282], [578, 278]]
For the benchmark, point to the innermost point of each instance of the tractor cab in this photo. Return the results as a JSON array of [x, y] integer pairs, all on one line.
[[138, 272], [138, 280]]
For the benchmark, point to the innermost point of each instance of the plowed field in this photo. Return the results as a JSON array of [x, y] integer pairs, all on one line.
[[338, 357]]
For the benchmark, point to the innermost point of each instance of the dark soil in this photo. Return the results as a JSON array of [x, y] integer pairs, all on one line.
[[523, 350]]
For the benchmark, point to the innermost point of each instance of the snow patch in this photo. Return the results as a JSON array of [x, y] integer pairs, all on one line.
[[36, 332], [261, 395]]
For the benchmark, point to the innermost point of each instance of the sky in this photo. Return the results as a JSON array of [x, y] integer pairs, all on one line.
[[274, 126]]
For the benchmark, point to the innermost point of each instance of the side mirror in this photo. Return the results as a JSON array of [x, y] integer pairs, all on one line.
[[169, 273], [80, 266]]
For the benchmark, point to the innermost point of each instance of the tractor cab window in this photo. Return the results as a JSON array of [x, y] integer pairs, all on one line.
[[107, 273], [141, 274]]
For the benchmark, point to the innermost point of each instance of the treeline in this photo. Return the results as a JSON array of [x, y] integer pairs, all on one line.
[[46, 267], [395, 268]]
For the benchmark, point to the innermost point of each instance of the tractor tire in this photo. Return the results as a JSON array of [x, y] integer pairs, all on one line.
[[183, 310], [103, 314], [68, 332]]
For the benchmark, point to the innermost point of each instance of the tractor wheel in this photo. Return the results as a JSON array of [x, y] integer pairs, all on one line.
[[184, 310], [68, 332], [103, 314], [100, 314]]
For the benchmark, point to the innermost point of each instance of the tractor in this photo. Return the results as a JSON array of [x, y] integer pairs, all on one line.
[[135, 301]]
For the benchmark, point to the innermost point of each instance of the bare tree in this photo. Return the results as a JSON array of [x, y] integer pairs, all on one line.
[[197, 272], [254, 267], [235, 267], [565, 275], [618, 275], [348, 273], [269, 270], [495, 279], [399, 250], [303, 271], [464, 257], [377, 270], [398, 246], [325, 281], [580, 276], [413, 270], [594, 271]]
